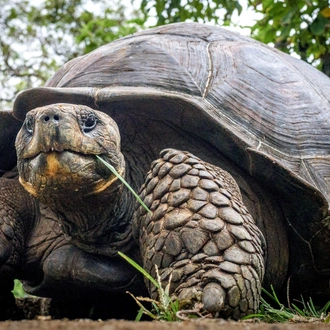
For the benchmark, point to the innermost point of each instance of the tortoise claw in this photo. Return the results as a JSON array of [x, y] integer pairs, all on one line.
[[214, 297]]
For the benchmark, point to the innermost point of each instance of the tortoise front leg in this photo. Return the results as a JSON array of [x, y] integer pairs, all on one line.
[[16, 216], [200, 233]]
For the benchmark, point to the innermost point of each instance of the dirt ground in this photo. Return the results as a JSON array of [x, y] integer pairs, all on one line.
[[38, 310], [83, 324]]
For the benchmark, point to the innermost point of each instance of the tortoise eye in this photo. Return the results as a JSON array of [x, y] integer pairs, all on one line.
[[89, 122], [29, 124]]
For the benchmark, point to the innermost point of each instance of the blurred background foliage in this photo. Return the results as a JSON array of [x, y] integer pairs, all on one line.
[[37, 37]]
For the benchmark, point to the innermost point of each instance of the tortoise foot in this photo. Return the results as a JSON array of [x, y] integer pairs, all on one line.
[[214, 297], [200, 235]]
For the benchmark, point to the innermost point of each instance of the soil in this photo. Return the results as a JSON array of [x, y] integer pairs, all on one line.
[[38, 310], [83, 324]]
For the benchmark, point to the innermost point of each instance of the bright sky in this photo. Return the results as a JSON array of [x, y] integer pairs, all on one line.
[[247, 18]]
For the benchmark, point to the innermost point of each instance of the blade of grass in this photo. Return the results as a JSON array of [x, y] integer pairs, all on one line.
[[298, 310], [325, 308], [139, 315], [140, 269], [144, 310], [272, 296], [114, 171], [308, 311], [312, 309]]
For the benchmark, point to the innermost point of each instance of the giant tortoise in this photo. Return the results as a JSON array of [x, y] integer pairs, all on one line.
[[227, 141]]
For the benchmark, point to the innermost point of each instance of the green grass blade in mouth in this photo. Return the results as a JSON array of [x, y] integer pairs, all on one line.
[[114, 171]]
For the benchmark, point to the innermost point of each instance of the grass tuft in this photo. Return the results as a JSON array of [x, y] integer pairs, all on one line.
[[163, 310], [307, 312]]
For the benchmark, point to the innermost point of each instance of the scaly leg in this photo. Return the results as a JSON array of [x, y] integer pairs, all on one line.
[[200, 233]]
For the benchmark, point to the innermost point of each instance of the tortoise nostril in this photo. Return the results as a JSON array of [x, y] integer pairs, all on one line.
[[51, 117]]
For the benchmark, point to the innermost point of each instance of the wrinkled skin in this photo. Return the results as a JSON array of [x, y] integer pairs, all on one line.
[[75, 215]]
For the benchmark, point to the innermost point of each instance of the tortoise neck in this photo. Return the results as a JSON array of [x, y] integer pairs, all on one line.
[[97, 223]]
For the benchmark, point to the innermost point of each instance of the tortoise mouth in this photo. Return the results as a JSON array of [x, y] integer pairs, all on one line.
[[63, 172], [60, 163]]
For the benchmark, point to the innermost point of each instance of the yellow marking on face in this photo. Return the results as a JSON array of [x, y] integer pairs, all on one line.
[[28, 187], [101, 186], [53, 165], [104, 184]]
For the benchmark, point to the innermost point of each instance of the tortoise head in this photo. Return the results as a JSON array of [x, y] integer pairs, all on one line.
[[56, 150]]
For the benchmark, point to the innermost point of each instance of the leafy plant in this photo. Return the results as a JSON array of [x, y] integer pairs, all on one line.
[[173, 11], [18, 290], [300, 27]]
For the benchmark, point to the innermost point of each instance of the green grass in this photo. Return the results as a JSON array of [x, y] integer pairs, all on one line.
[[271, 312], [165, 309], [301, 311]]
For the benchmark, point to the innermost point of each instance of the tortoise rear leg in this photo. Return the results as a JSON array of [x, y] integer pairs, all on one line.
[[201, 233]]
